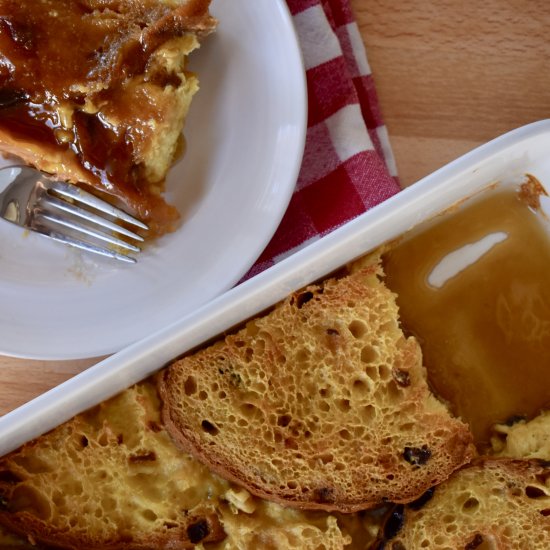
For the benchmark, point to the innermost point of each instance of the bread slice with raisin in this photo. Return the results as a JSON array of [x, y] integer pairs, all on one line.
[[320, 404], [493, 504], [110, 478], [97, 92], [113, 478]]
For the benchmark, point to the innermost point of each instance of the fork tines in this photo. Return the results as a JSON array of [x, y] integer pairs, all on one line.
[[65, 213]]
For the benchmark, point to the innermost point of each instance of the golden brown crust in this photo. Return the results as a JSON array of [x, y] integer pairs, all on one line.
[[321, 404]]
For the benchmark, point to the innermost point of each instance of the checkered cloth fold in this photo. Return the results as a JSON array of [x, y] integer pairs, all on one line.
[[348, 165]]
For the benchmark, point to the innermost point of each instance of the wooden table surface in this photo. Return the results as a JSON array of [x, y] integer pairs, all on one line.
[[450, 76]]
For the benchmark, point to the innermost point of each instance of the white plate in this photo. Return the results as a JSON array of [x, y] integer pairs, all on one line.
[[245, 136]]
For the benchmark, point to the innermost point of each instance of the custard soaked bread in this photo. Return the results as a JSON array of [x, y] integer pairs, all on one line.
[[521, 438], [112, 478], [494, 504], [97, 92], [320, 404]]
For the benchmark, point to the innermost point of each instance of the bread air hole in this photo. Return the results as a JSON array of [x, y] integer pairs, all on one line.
[[368, 412], [190, 385], [357, 328], [284, 420], [250, 411], [203, 396], [344, 434], [303, 298], [343, 404], [471, 504], [449, 518], [359, 387], [149, 515]]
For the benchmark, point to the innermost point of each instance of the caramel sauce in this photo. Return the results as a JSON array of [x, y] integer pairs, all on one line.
[[484, 328], [49, 56]]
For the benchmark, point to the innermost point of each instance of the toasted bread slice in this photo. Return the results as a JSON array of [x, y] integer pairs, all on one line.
[[497, 504], [97, 92], [110, 478], [320, 404]]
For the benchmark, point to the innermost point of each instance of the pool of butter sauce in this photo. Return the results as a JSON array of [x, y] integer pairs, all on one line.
[[473, 287]]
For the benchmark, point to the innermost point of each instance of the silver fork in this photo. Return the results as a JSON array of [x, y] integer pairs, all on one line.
[[68, 214]]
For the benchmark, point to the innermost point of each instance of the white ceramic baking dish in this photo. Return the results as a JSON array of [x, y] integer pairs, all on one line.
[[505, 160]]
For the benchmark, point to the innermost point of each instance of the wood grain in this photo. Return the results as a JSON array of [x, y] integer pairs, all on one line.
[[22, 379], [450, 76]]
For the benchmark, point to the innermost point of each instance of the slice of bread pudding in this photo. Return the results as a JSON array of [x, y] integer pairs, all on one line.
[[97, 92], [322, 403]]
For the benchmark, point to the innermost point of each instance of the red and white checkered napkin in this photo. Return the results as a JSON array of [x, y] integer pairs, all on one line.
[[348, 165]]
